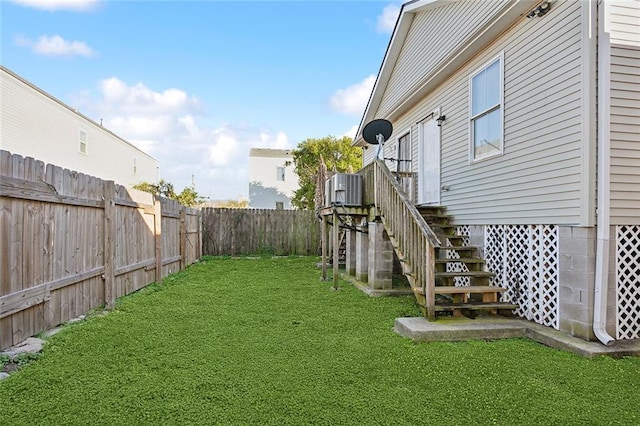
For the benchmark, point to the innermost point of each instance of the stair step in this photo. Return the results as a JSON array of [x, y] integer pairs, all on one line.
[[431, 219], [475, 274], [459, 248], [431, 208], [462, 260], [453, 236], [446, 228], [475, 306], [468, 289], [476, 289]]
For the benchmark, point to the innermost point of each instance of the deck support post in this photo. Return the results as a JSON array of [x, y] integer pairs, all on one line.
[[323, 236], [362, 252], [380, 257], [430, 278], [336, 249], [350, 262]]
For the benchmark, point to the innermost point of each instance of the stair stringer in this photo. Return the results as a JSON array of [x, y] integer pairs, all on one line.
[[407, 271]]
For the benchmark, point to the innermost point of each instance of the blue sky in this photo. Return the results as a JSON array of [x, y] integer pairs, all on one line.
[[196, 84]]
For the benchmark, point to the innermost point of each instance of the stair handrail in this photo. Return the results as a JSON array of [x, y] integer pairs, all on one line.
[[415, 239]]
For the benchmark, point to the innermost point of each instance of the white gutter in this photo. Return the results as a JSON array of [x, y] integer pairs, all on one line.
[[603, 220]]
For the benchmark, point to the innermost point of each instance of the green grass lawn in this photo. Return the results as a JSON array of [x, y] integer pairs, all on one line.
[[263, 341]]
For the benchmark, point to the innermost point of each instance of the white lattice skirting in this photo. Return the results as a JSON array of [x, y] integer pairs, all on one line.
[[464, 232], [526, 263], [628, 282]]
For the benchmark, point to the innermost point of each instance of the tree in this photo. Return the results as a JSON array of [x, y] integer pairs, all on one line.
[[338, 155], [160, 189], [188, 197]]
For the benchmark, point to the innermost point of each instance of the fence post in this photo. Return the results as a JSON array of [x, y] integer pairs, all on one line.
[[109, 190], [157, 230], [200, 249], [183, 237]]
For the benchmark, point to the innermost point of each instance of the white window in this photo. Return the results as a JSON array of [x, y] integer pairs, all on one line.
[[84, 142], [486, 87], [135, 166], [280, 174]]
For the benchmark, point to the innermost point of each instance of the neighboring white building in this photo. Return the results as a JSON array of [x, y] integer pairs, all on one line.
[[272, 180], [35, 124]]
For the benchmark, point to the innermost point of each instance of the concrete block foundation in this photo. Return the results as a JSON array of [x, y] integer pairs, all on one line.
[[576, 270], [362, 254], [380, 258]]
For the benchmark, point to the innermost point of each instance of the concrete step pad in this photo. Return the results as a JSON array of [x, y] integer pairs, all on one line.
[[495, 327]]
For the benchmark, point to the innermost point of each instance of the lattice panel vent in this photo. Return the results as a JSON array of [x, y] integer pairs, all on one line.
[[544, 275], [463, 231], [525, 260], [628, 282], [494, 252], [517, 267]]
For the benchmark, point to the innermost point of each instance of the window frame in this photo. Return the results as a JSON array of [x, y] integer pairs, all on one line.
[[401, 165], [278, 174], [499, 106], [81, 131], [135, 165]]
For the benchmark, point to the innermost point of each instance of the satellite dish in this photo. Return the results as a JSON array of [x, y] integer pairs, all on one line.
[[377, 131]]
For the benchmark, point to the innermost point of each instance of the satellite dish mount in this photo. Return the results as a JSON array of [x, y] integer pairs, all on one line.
[[377, 132]]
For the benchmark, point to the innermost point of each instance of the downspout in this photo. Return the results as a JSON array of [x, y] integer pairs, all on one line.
[[603, 220]]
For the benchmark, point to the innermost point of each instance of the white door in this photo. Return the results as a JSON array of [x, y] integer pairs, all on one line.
[[429, 167]]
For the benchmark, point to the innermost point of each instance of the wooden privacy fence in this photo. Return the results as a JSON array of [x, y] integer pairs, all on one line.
[[250, 231], [70, 243]]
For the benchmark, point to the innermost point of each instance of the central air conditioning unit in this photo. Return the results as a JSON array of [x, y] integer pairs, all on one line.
[[344, 189]]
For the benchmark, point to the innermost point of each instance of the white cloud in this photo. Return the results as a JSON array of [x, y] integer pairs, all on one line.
[[52, 5], [230, 144], [167, 125], [387, 19], [55, 46], [139, 99], [351, 132], [353, 99]]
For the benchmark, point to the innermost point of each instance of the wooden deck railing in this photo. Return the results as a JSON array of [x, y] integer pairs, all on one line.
[[414, 240]]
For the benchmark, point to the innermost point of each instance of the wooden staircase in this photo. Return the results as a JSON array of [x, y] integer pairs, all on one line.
[[466, 290], [424, 240]]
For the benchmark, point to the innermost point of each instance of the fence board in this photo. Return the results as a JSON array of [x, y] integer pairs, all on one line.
[[6, 206], [251, 231], [15, 279], [71, 242]]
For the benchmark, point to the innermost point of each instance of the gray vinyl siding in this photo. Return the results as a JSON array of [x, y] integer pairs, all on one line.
[[538, 179], [430, 39], [625, 113], [369, 154]]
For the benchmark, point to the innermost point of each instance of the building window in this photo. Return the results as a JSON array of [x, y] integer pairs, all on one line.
[[280, 174], [279, 205], [486, 87], [135, 166], [404, 153], [83, 142]]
